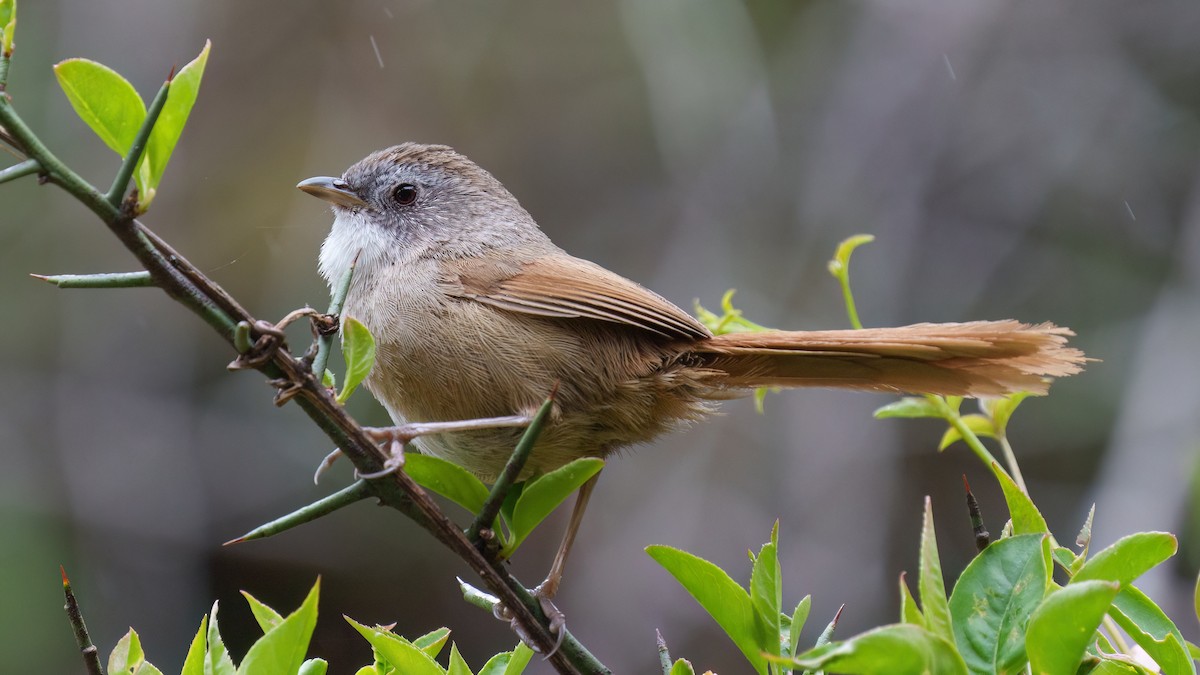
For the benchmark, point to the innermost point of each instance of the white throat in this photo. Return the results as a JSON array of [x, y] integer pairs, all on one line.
[[353, 236]]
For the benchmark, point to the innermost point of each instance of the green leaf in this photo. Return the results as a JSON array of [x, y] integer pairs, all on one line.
[[458, 665], [543, 495], [282, 649], [217, 661], [447, 479], [1064, 556], [682, 667], [432, 642], [1196, 597], [728, 603], [266, 617], [1112, 667], [826, 635], [978, 424], [1084, 541], [1128, 558], [314, 667], [127, 655], [909, 406], [497, 664], [909, 612], [104, 100], [889, 650], [1146, 623], [840, 264], [167, 129], [1026, 519], [799, 618], [519, 660], [729, 322], [766, 592], [1061, 629], [8, 25], [1001, 410], [930, 584], [358, 348], [193, 663], [993, 600], [402, 655]]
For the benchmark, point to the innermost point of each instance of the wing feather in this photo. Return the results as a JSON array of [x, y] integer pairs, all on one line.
[[566, 287]]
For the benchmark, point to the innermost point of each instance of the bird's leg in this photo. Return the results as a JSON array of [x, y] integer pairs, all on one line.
[[399, 436], [546, 590]]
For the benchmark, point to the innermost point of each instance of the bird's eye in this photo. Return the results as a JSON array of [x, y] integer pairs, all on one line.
[[405, 194]]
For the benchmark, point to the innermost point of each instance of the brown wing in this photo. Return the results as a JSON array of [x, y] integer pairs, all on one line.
[[566, 287]]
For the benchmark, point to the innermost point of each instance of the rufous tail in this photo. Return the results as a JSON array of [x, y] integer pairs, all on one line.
[[980, 358]]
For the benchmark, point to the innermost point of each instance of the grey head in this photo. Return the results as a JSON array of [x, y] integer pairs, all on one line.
[[419, 200]]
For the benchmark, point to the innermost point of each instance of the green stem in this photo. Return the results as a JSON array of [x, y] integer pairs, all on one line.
[[955, 419], [5, 58], [53, 166], [851, 309], [19, 170], [1010, 458], [336, 302], [345, 497], [476, 597], [1115, 634], [512, 469], [117, 192], [111, 280]]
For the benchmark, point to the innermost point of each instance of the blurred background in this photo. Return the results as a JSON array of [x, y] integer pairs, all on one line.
[[1028, 160]]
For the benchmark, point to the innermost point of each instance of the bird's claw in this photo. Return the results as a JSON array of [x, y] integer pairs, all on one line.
[[556, 622]]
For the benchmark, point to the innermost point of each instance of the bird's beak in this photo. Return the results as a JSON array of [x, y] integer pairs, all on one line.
[[333, 190]]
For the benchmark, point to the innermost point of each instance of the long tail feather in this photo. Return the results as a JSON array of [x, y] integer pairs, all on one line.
[[980, 358]]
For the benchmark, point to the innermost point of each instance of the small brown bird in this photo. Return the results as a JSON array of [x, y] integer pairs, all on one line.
[[477, 314]]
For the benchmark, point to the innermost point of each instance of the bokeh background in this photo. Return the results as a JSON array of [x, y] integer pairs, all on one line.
[[1027, 160]]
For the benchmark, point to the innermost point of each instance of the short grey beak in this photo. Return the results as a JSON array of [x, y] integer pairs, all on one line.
[[332, 190]]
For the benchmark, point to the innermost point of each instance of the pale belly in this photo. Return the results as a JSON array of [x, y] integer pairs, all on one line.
[[470, 361]]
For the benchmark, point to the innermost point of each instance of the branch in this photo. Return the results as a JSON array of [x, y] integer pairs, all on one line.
[[91, 655], [186, 284]]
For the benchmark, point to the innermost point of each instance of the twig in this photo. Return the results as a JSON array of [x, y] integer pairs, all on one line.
[[336, 302], [18, 170], [512, 469], [664, 654], [91, 655], [117, 192], [1010, 458], [110, 280], [355, 493]]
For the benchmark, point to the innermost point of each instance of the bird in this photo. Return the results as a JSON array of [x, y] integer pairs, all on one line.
[[477, 315]]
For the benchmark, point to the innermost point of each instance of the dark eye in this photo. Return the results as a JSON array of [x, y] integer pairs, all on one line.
[[405, 194]]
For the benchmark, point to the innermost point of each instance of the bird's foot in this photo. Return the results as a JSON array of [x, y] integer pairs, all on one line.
[[556, 621]]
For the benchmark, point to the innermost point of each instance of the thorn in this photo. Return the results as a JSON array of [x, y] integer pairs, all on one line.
[[171, 75], [44, 278], [982, 536], [838, 615], [554, 391], [231, 542], [66, 581], [356, 257]]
